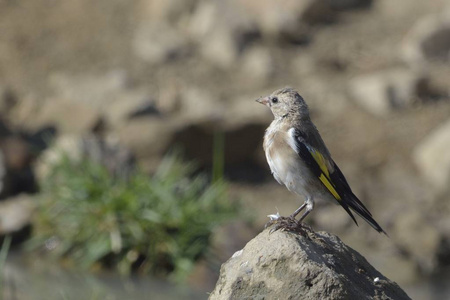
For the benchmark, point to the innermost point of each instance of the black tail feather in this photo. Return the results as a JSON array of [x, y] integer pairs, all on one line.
[[364, 213]]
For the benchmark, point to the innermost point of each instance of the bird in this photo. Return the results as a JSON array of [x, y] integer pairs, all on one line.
[[299, 159]]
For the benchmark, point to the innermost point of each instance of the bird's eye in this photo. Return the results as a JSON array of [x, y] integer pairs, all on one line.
[[274, 100]]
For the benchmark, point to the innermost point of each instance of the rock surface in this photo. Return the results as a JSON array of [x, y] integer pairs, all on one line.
[[310, 265]]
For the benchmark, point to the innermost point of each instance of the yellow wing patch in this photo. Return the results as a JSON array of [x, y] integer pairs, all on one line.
[[320, 160], [329, 186], [325, 176]]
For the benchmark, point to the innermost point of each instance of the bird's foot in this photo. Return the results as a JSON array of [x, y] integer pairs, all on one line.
[[278, 222]]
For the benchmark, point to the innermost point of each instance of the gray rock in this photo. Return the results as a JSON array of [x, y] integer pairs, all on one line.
[[172, 11], [157, 43], [258, 65], [428, 40], [274, 19], [109, 96], [221, 48], [15, 214], [432, 157], [64, 115], [311, 265], [221, 29], [95, 90], [225, 240], [383, 92]]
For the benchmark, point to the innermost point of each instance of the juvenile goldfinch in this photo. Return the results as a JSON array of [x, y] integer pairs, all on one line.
[[299, 159]]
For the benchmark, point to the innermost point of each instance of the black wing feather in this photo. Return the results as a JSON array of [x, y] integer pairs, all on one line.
[[337, 179], [307, 157]]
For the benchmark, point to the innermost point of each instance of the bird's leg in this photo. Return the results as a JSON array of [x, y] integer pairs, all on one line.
[[309, 207], [298, 210]]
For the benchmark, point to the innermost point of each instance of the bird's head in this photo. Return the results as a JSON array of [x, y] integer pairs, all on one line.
[[285, 102]]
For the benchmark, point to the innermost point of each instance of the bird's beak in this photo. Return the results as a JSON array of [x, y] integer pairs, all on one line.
[[263, 100]]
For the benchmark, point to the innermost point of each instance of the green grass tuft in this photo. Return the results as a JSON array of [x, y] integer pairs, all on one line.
[[159, 225]]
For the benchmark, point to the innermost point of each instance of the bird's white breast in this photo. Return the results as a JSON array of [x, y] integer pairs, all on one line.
[[284, 162]]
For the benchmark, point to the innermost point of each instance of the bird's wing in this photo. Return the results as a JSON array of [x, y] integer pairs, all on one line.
[[331, 177]]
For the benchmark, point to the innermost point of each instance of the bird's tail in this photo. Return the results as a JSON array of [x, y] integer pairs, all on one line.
[[357, 206]]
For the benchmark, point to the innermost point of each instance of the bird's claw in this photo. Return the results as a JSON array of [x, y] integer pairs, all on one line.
[[274, 217], [286, 224]]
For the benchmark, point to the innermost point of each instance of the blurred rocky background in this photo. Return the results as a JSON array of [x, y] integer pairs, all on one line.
[[145, 76]]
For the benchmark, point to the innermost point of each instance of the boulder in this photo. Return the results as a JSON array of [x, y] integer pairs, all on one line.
[[15, 216], [111, 97], [291, 18], [428, 40], [304, 265], [157, 43], [221, 48], [383, 92], [432, 157], [65, 116], [171, 11], [258, 65], [98, 90]]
